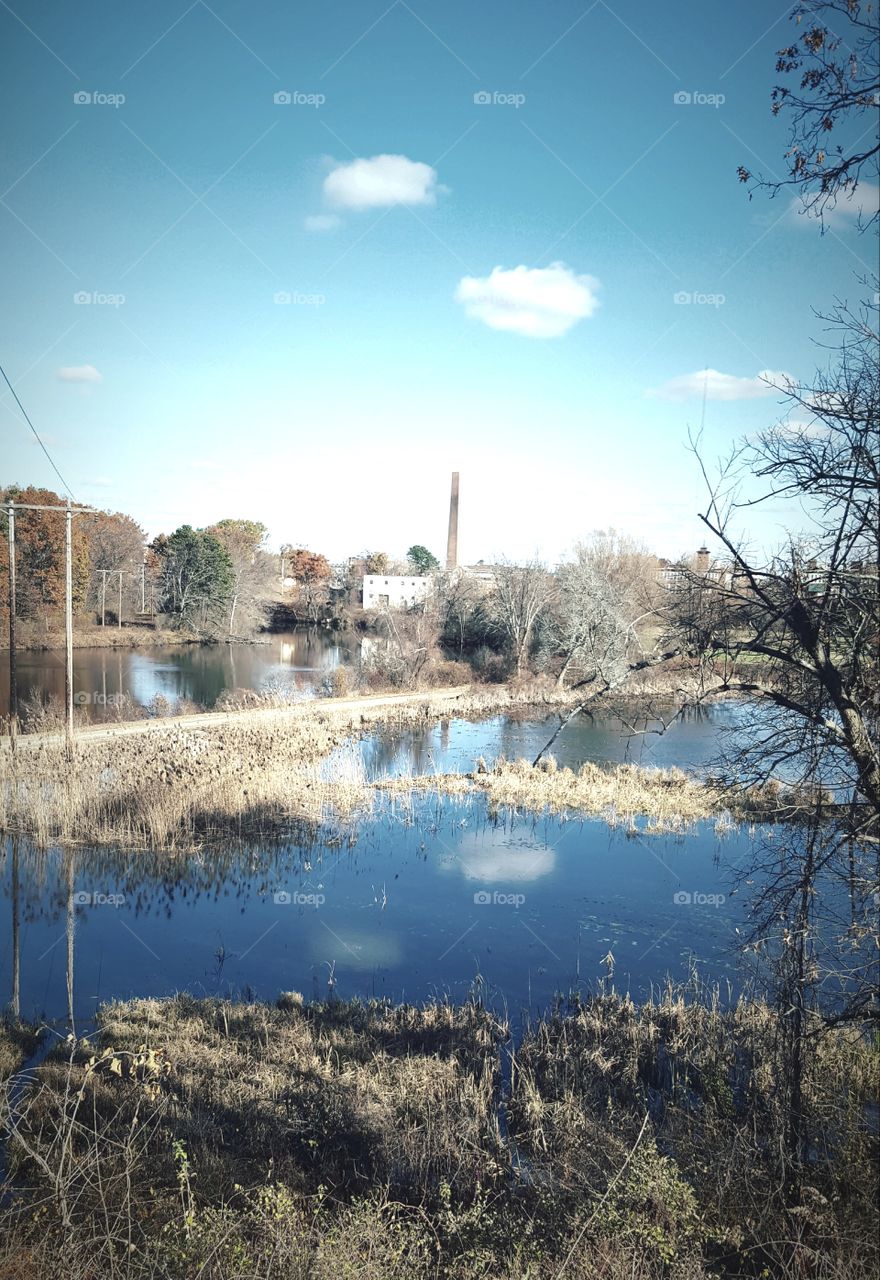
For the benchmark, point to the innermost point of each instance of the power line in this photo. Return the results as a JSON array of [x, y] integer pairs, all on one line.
[[36, 433]]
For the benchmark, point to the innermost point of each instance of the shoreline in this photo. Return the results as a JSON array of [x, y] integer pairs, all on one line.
[[301, 1140], [181, 782], [142, 638]]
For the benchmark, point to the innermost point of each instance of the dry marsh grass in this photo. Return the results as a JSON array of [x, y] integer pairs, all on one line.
[[36, 637], [201, 1138], [670, 799], [171, 788], [713, 1166], [17, 1042], [181, 782]]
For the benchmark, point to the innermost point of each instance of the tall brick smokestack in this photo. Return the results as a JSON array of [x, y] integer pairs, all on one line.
[[452, 540]]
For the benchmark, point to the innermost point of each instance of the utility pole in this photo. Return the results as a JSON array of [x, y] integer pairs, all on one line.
[[105, 574], [144, 585], [13, 674], [68, 629]]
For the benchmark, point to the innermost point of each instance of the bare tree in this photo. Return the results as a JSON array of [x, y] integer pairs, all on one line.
[[458, 597], [407, 641], [522, 595], [795, 633], [810, 612], [604, 594]]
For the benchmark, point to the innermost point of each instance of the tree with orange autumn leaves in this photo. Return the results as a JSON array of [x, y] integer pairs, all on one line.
[[39, 546]]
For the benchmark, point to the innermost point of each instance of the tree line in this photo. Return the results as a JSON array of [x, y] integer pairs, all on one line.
[[221, 580], [213, 581]]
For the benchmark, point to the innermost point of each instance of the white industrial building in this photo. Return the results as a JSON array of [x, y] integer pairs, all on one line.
[[395, 591]]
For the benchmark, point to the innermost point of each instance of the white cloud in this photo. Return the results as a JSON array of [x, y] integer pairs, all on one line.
[[380, 181], [852, 208], [719, 386], [98, 482], [78, 373], [322, 222], [538, 302]]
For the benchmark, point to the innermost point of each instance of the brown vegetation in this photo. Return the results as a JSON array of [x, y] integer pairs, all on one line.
[[17, 1043], [219, 1140], [254, 769], [37, 637], [177, 782], [669, 798]]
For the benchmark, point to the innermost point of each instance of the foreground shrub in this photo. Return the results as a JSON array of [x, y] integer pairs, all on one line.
[[202, 1138]]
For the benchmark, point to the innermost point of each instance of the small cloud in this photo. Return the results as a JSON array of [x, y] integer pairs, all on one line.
[[98, 482], [322, 222], [78, 373], [720, 386], [381, 181], [538, 302], [852, 208]]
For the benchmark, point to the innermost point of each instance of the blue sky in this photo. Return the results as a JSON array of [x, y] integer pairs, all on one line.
[[416, 229]]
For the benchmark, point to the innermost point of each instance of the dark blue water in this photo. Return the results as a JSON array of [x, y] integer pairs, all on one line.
[[420, 900]]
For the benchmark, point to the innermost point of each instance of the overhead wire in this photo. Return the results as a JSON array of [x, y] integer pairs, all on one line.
[[64, 483]]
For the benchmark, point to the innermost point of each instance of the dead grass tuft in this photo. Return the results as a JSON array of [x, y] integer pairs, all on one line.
[[670, 799]]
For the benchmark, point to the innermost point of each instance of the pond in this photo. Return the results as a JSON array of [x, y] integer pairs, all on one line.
[[422, 897], [292, 662], [418, 900]]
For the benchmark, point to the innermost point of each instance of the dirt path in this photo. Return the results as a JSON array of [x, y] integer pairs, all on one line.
[[268, 716]]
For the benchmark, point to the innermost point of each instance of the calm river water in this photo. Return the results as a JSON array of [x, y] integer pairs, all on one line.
[[295, 661], [415, 900]]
